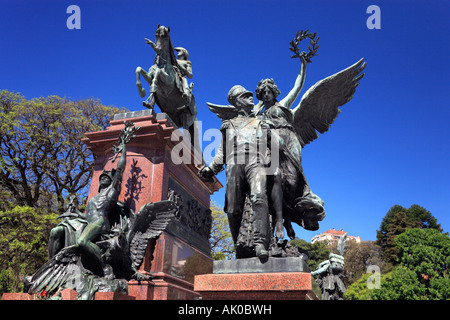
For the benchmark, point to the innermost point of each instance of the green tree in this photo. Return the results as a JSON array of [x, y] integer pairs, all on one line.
[[42, 158], [422, 270], [359, 290], [222, 246], [317, 251], [359, 256], [396, 221], [424, 217], [23, 245], [399, 224], [439, 288], [399, 284], [42, 162], [426, 252]]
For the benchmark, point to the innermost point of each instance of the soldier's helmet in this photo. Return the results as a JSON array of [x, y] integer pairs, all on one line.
[[235, 92], [108, 173]]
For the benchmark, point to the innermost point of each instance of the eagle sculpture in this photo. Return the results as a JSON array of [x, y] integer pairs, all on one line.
[[123, 249]]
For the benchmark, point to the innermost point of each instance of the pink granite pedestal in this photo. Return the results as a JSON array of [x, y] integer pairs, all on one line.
[[153, 172], [256, 286], [68, 294]]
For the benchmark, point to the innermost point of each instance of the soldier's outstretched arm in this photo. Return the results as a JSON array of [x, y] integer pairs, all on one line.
[[117, 180], [150, 42], [206, 173], [125, 136]]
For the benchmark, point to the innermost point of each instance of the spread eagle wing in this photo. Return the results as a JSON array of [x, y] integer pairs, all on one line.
[[149, 223], [63, 270], [319, 106], [223, 112]]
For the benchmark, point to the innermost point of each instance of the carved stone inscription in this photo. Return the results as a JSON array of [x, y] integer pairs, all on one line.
[[192, 221]]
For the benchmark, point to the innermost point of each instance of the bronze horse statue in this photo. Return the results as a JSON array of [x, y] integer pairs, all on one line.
[[168, 85]]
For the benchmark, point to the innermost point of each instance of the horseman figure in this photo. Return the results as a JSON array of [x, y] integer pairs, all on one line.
[[169, 87]]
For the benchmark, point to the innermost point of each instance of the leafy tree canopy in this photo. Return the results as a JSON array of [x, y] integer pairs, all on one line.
[[359, 257], [422, 272], [396, 221], [42, 158], [23, 244], [222, 247], [42, 162], [426, 252]]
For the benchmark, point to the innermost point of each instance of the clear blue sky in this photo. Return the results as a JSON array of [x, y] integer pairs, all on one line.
[[391, 143]]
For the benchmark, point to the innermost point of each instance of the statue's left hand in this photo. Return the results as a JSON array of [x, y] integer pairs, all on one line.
[[303, 59]]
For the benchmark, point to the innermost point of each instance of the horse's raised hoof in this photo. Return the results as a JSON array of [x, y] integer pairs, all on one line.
[[142, 92]]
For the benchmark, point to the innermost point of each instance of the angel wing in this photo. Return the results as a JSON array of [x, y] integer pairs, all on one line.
[[341, 244], [223, 112], [150, 221], [319, 106]]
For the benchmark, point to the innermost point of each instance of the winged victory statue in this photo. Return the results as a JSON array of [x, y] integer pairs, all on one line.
[[290, 197]]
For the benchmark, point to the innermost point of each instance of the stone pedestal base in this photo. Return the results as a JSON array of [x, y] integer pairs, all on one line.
[[162, 287], [252, 279], [19, 296], [68, 294], [256, 286], [254, 265]]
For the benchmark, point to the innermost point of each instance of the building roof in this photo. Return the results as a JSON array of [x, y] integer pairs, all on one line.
[[333, 235], [336, 232]]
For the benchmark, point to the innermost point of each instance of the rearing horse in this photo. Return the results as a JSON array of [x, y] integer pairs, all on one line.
[[166, 85]]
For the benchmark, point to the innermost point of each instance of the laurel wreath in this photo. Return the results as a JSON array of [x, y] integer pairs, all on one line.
[[313, 46], [124, 137]]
